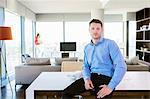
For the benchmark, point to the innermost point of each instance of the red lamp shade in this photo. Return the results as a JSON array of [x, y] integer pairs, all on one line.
[[5, 33]]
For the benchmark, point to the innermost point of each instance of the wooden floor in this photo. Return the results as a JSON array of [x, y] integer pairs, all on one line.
[[19, 93]]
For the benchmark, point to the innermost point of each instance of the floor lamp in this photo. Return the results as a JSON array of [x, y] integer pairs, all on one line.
[[5, 34]]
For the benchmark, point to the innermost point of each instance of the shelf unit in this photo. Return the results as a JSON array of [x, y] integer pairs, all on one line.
[[143, 34]]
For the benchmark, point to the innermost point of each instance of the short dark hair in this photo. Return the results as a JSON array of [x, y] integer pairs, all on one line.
[[96, 21], [38, 34]]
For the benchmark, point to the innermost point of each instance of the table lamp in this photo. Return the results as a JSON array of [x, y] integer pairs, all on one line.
[[5, 34]]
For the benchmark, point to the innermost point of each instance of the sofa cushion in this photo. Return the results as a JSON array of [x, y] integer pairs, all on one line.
[[58, 61], [26, 74], [37, 61], [69, 66]]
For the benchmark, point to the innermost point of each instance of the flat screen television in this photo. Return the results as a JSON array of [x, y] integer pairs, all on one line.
[[67, 46]]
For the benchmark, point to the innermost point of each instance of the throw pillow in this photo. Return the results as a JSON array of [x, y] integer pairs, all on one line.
[[132, 61], [38, 61]]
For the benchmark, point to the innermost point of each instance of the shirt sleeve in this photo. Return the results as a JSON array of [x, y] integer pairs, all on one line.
[[119, 65], [86, 68]]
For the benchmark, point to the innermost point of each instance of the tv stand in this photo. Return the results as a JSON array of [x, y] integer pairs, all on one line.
[[65, 55]]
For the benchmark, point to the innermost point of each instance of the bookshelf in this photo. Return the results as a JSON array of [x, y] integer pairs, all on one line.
[[143, 34]]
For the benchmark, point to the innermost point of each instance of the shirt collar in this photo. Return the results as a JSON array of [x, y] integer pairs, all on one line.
[[99, 41]]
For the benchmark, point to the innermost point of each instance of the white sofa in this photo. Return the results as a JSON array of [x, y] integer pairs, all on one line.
[[134, 64], [138, 67], [25, 74]]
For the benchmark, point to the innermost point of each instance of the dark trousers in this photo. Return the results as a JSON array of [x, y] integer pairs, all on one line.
[[77, 87]]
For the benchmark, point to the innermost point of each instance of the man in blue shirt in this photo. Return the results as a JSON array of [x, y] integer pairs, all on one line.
[[103, 67]]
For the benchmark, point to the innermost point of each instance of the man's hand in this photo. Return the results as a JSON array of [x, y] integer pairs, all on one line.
[[104, 91], [88, 85]]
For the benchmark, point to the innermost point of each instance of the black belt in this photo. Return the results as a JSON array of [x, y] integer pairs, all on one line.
[[99, 74]]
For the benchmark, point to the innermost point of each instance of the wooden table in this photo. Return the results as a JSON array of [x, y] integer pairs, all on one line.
[[58, 81]]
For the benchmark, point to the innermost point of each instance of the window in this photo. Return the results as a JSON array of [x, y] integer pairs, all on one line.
[[77, 32], [51, 34], [114, 31], [28, 37], [13, 47]]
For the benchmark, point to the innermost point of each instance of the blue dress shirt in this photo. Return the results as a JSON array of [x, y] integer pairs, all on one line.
[[104, 58]]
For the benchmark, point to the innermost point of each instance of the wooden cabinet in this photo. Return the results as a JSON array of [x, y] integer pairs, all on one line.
[[143, 34]]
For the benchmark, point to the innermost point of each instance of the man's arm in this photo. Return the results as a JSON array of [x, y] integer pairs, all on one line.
[[119, 65], [87, 74], [86, 70]]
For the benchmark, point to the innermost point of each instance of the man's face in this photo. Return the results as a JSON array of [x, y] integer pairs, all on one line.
[[95, 30]]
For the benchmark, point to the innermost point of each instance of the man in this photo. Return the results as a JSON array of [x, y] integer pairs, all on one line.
[[103, 67]]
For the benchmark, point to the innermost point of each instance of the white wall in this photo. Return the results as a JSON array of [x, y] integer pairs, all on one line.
[[2, 3], [132, 39], [131, 17], [113, 18], [76, 17], [15, 6], [63, 17]]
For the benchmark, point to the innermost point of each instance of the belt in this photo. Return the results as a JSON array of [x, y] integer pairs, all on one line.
[[96, 73], [99, 74]]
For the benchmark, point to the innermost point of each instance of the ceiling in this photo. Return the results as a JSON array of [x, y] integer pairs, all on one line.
[[84, 6]]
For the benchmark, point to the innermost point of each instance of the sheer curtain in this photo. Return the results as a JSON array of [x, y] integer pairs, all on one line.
[[13, 47]]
